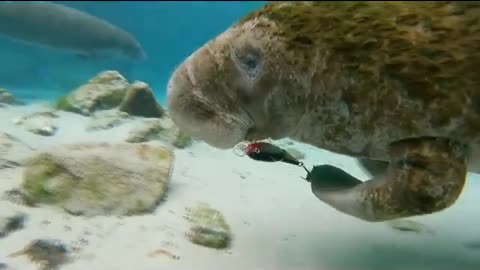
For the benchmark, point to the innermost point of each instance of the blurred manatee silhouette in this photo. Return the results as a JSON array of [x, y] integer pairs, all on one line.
[[475, 244], [61, 27]]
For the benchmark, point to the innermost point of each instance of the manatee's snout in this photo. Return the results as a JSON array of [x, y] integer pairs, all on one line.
[[140, 55], [135, 52], [199, 102]]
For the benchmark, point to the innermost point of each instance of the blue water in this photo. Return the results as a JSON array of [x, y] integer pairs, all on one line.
[[168, 31]]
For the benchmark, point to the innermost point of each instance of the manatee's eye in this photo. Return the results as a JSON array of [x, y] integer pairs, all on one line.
[[250, 61]]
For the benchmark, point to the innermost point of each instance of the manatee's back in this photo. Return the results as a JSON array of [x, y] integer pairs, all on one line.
[[57, 26], [438, 41], [414, 63]]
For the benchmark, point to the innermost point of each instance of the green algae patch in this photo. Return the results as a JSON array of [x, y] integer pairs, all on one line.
[[182, 140], [39, 178], [99, 179], [63, 104]]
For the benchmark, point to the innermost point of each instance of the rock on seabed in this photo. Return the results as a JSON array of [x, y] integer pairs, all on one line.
[[99, 178]]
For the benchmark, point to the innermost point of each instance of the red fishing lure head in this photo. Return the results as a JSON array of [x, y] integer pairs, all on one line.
[[252, 148]]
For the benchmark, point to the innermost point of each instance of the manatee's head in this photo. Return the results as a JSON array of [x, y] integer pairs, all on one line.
[[124, 45], [244, 84], [133, 50]]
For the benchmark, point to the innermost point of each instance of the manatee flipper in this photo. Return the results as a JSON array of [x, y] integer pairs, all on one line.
[[424, 176], [373, 167], [327, 177]]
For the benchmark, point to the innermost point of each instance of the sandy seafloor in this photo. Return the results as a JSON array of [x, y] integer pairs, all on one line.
[[276, 221]]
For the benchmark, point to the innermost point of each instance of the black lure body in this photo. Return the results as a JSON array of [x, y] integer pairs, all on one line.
[[267, 152]]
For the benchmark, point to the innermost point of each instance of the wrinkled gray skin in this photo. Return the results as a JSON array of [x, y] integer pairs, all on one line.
[[241, 86], [60, 27]]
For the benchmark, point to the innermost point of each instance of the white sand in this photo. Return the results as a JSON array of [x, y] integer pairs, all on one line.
[[276, 221]]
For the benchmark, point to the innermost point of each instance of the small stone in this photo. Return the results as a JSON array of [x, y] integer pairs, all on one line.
[[40, 123], [47, 113], [145, 131], [107, 119], [140, 101], [103, 92], [46, 222], [208, 227], [49, 254], [159, 129], [6, 97], [11, 223], [17, 196], [46, 130], [3, 263]]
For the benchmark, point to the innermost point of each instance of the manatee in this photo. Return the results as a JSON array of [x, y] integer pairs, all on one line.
[[472, 244], [61, 27], [394, 83]]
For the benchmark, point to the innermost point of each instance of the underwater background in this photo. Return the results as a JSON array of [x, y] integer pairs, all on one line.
[[276, 223], [168, 31]]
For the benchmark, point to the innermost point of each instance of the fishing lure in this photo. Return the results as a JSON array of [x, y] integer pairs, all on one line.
[[264, 151], [322, 176]]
